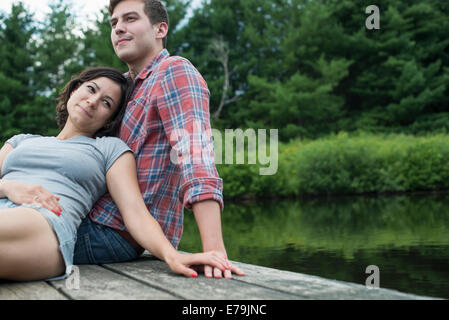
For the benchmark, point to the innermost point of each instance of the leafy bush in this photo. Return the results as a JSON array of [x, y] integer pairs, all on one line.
[[346, 164]]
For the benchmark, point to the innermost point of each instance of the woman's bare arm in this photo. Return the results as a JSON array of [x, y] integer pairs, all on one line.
[[123, 186]]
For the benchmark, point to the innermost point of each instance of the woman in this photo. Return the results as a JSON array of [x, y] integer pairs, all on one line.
[[67, 174]]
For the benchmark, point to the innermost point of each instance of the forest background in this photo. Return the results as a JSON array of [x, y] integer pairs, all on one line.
[[358, 110]]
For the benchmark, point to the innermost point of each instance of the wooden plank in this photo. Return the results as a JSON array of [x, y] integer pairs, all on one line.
[[314, 287], [96, 282], [38, 290], [149, 278], [157, 273]]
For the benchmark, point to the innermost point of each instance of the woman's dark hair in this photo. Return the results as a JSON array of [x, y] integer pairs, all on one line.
[[126, 86]]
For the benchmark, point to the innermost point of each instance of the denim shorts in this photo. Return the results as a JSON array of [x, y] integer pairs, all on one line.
[[65, 234], [98, 244]]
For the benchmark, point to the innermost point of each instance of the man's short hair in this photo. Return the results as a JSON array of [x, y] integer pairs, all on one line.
[[154, 9]]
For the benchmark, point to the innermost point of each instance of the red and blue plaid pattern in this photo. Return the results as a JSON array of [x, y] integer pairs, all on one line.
[[170, 96]]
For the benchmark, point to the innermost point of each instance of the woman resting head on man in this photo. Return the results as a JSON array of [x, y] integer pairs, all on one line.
[[49, 184]]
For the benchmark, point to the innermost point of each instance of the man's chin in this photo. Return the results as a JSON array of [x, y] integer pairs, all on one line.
[[124, 55]]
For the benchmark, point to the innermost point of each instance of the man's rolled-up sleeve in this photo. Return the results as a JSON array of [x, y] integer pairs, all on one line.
[[201, 189]]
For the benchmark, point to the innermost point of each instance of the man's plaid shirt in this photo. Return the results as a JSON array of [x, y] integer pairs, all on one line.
[[170, 98]]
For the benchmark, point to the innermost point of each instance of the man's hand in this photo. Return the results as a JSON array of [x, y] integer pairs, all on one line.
[[210, 271], [187, 264], [208, 217]]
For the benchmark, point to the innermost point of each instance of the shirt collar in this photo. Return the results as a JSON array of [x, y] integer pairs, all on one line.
[[149, 68]]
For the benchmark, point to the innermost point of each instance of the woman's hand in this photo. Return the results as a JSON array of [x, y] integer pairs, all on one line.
[[181, 262], [20, 193]]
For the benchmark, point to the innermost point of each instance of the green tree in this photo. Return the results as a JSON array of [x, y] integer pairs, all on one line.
[[97, 48], [177, 11], [58, 46], [241, 26], [301, 98], [16, 62], [312, 67], [308, 68], [399, 74]]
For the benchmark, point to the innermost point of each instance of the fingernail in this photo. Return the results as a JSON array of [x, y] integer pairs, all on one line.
[[194, 275]]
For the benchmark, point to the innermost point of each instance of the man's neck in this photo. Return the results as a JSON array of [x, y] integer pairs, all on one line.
[[133, 72], [136, 68]]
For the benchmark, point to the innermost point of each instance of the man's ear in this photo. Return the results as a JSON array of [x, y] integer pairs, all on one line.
[[161, 30]]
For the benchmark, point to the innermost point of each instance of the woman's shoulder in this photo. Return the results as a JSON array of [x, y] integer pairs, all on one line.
[[26, 136], [18, 138], [111, 148], [108, 142]]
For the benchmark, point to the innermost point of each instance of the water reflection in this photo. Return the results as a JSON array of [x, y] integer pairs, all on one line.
[[407, 237]]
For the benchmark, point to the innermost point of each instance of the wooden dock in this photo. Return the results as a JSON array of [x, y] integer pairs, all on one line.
[[150, 279]]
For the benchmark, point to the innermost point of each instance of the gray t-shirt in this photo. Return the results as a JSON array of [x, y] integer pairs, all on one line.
[[73, 169]]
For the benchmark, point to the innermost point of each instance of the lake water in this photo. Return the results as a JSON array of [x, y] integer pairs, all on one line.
[[407, 237]]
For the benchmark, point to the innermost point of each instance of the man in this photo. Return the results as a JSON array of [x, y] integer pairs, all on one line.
[[170, 97]]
